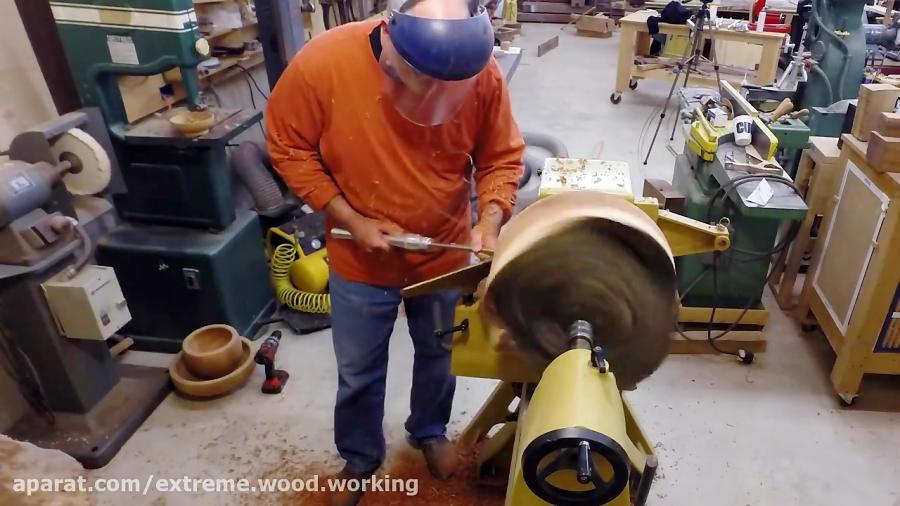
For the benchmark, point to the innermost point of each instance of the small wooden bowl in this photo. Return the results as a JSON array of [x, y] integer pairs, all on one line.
[[191, 385], [193, 124], [212, 351]]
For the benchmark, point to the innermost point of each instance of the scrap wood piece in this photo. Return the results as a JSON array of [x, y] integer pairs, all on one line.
[[576, 17], [548, 46], [541, 17], [121, 346]]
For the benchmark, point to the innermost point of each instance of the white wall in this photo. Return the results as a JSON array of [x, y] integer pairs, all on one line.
[[24, 101]]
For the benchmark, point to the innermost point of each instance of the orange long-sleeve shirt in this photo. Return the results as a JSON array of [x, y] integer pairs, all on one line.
[[331, 131]]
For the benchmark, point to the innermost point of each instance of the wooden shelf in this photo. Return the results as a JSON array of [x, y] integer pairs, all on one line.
[[225, 31], [247, 60]]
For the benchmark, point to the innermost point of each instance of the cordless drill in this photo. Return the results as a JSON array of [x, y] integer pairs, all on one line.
[[275, 378]]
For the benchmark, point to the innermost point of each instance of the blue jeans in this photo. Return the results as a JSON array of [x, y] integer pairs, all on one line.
[[363, 319]]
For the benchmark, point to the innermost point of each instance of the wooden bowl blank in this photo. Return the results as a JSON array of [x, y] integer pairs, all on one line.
[[193, 123], [212, 351], [191, 385]]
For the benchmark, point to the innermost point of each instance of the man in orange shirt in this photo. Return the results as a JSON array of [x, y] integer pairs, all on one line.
[[382, 124]]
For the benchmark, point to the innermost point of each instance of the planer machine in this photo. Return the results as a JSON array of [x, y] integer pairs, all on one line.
[[720, 180]]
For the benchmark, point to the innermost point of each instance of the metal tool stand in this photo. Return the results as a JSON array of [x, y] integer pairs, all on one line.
[[692, 56]]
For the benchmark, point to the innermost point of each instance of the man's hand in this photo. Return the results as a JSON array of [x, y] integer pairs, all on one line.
[[371, 234], [368, 233], [484, 234]]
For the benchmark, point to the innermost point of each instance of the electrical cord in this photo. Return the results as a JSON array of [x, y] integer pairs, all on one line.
[[746, 309], [250, 77], [87, 250], [693, 284], [736, 183], [715, 306], [251, 84], [744, 356], [781, 248]]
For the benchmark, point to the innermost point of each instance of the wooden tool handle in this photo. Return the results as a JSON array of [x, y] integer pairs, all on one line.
[[785, 107]]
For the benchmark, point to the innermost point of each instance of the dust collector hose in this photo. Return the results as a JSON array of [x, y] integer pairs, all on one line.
[[821, 73], [87, 250], [305, 302], [533, 165], [841, 45], [555, 146], [249, 163]]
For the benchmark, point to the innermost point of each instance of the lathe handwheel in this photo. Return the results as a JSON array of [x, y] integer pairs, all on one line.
[[569, 446]]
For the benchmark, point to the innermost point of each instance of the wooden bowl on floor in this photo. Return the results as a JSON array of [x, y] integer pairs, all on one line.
[[193, 124], [212, 351], [191, 385]]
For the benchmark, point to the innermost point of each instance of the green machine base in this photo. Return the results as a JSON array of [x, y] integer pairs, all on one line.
[[177, 280], [740, 277]]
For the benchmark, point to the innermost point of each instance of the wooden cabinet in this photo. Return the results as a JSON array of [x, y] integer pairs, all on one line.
[[853, 293]]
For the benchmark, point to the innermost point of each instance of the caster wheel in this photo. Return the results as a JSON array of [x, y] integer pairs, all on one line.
[[847, 399], [632, 84], [808, 327], [615, 98]]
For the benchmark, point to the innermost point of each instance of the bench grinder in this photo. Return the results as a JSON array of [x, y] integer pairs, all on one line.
[[56, 309], [185, 257]]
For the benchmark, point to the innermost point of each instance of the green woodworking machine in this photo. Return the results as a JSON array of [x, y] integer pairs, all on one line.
[[185, 257], [743, 187], [827, 69]]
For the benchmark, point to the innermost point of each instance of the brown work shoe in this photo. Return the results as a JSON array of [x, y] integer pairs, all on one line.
[[346, 497], [440, 455]]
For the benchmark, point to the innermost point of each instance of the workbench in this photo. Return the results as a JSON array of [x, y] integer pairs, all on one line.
[[855, 288], [635, 41], [724, 9]]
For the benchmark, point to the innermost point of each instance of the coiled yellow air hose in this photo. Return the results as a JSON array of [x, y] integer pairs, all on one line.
[[282, 259]]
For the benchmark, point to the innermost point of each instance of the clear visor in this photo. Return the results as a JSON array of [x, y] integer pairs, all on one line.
[[419, 98]]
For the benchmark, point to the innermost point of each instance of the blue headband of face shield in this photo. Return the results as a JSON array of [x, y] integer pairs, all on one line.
[[445, 49]]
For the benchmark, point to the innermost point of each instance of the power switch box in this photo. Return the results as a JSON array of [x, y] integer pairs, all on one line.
[[90, 305]]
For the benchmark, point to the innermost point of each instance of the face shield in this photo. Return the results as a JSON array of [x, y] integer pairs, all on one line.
[[431, 69]]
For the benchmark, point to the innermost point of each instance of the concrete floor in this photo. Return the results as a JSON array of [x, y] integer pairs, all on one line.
[[768, 434]]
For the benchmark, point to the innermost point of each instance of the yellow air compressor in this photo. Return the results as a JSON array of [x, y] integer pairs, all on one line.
[[300, 280]]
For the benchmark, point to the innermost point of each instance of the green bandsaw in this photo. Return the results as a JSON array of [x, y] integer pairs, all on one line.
[[171, 179], [185, 258]]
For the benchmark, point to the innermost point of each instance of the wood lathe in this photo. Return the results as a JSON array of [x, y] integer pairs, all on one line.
[[558, 431]]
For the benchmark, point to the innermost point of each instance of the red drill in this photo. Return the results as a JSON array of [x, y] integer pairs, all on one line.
[[275, 378]]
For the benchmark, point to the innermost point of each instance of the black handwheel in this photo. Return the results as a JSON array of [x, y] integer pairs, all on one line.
[[615, 98], [573, 450], [632, 84]]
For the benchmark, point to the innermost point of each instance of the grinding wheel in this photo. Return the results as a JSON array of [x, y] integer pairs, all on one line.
[[91, 165], [586, 256]]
